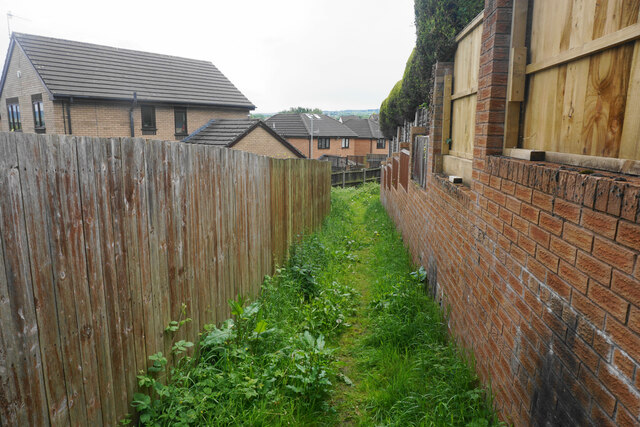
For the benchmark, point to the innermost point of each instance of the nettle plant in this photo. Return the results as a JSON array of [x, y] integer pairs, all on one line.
[[143, 403]]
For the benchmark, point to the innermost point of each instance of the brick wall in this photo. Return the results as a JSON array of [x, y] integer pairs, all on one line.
[[261, 142], [357, 147], [539, 264], [23, 87], [540, 268], [107, 119]]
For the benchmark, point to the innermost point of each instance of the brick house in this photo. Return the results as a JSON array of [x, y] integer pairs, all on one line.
[[330, 137], [370, 139], [250, 135], [65, 87]]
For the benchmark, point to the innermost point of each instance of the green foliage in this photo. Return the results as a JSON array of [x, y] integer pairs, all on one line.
[[274, 361], [302, 110], [437, 23], [391, 113], [413, 374]]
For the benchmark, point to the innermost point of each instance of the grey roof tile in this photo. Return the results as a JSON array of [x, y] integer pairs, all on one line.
[[365, 128], [226, 132], [70, 68], [299, 125]]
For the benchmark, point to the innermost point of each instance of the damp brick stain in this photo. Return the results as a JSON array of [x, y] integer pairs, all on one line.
[[553, 403]]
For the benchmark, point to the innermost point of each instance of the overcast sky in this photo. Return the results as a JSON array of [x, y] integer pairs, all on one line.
[[328, 54]]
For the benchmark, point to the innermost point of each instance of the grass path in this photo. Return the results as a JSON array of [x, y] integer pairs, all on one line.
[[404, 369], [344, 334]]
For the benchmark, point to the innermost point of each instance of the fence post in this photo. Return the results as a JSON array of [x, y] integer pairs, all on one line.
[[343, 177], [364, 176]]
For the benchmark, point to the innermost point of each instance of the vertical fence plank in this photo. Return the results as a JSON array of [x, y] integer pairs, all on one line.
[[65, 298], [93, 252], [113, 155], [35, 207], [154, 171], [110, 275], [76, 261], [26, 401], [131, 164]]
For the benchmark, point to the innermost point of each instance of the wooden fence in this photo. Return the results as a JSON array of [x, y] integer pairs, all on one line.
[[584, 78], [354, 177], [459, 102], [103, 240]]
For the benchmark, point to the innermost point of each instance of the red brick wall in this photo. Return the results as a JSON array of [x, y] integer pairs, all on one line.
[[540, 268], [537, 262]]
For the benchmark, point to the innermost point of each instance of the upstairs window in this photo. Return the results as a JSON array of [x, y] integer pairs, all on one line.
[[381, 143], [180, 115], [13, 116], [38, 113], [148, 119], [324, 143], [345, 142]]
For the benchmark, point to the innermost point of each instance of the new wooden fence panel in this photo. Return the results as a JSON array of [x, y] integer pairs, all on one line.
[[588, 104], [465, 89]]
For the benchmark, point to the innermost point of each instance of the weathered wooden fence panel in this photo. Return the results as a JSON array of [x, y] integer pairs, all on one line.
[[355, 177], [103, 240]]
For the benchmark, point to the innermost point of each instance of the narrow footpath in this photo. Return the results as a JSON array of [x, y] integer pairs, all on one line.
[[402, 367], [343, 334]]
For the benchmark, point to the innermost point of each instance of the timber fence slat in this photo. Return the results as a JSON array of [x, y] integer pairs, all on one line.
[[33, 195], [103, 240], [22, 377], [95, 276]]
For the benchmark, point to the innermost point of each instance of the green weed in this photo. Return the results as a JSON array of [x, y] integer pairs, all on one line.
[[277, 360]]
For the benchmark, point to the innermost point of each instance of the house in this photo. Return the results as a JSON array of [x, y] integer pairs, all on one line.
[[251, 135], [330, 137], [66, 87], [370, 139]]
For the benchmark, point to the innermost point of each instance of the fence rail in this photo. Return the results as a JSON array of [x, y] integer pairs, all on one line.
[[354, 177], [103, 240]]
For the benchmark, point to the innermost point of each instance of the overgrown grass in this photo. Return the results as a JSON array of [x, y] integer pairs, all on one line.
[[276, 361], [410, 372]]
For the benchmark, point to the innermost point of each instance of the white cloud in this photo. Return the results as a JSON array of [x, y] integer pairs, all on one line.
[[331, 54]]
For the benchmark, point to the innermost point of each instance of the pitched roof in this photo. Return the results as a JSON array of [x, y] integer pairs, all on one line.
[[84, 70], [299, 125], [365, 128], [228, 132]]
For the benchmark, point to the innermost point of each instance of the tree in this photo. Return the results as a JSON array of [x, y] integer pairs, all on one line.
[[437, 23], [391, 112], [294, 110]]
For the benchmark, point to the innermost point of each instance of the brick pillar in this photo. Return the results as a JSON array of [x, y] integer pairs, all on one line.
[[434, 151], [492, 82]]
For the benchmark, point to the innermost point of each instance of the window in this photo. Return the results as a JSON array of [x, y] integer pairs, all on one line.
[[180, 114], [345, 142], [381, 143], [148, 119], [324, 143], [38, 113], [13, 116]]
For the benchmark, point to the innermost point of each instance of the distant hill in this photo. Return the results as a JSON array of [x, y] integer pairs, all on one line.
[[360, 113], [335, 114]]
